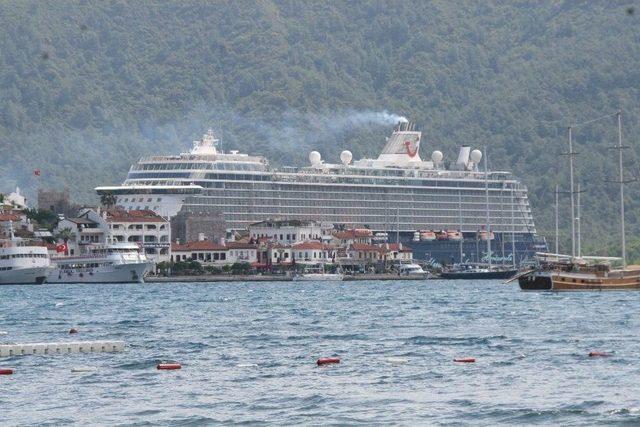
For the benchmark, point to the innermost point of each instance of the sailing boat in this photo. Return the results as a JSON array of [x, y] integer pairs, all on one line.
[[479, 271], [557, 272]]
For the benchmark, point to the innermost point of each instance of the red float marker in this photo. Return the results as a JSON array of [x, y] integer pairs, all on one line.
[[73, 331], [465, 360], [169, 366], [327, 360], [599, 354], [6, 371]]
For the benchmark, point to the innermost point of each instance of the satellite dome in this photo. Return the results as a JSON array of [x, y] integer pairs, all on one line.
[[476, 156], [315, 157], [437, 156], [345, 157]]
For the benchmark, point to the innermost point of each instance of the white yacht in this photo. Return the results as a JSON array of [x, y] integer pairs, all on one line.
[[22, 262], [412, 270], [116, 263]]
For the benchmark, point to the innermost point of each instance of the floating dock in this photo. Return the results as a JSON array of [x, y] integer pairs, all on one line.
[[9, 350]]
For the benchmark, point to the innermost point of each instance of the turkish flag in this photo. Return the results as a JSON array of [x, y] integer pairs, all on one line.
[[61, 248]]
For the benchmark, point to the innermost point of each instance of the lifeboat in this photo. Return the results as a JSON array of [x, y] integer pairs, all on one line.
[[454, 235], [484, 235], [442, 235], [427, 235]]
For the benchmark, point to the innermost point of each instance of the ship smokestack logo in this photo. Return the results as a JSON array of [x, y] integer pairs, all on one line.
[[412, 151]]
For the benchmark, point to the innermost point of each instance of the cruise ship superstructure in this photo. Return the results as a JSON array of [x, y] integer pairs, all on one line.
[[396, 194]]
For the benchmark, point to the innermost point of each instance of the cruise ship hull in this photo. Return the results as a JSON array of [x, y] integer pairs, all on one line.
[[24, 276], [472, 250], [121, 273]]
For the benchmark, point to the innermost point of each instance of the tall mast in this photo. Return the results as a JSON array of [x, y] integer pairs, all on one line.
[[557, 217], [502, 222], [397, 225], [573, 208], [460, 213], [486, 190], [513, 227], [578, 220], [620, 148]]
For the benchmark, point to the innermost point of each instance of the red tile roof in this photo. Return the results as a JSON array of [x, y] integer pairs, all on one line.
[[394, 247], [203, 245], [9, 217], [353, 233], [145, 215], [309, 244], [364, 247], [241, 245]]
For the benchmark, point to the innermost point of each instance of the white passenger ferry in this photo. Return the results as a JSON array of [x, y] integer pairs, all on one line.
[[22, 262], [116, 263], [398, 193]]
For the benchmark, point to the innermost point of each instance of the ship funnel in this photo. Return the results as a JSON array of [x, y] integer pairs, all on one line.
[[463, 157]]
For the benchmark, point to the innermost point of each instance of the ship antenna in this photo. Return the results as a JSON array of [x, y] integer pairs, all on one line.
[[513, 227], [578, 223], [557, 218], [398, 225], [619, 147], [572, 191]]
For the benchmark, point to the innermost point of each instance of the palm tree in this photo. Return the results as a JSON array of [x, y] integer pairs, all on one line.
[[65, 234], [108, 200]]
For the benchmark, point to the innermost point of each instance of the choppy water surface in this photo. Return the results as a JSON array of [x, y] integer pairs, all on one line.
[[531, 351]]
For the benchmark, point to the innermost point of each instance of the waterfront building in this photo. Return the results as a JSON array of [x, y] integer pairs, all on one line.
[[205, 252], [313, 252], [288, 231], [86, 228], [151, 232], [398, 253], [147, 229], [355, 235], [211, 254]]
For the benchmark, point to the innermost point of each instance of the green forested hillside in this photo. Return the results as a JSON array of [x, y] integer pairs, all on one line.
[[88, 86]]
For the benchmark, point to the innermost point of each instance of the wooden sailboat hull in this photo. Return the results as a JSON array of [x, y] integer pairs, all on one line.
[[628, 279]]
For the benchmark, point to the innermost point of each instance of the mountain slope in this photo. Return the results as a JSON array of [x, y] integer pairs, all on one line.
[[88, 86]]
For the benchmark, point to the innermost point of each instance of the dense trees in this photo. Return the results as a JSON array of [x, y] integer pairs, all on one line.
[[88, 86]]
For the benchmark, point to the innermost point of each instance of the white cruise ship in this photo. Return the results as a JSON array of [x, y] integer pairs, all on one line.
[[397, 193], [22, 262], [116, 263]]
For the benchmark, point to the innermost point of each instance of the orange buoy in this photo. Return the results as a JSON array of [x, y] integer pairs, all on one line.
[[327, 360], [6, 371], [465, 360], [169, 366], [599, 354], [73, 331]]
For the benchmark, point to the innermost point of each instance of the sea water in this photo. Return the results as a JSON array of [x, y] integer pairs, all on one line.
[[248, 353]]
